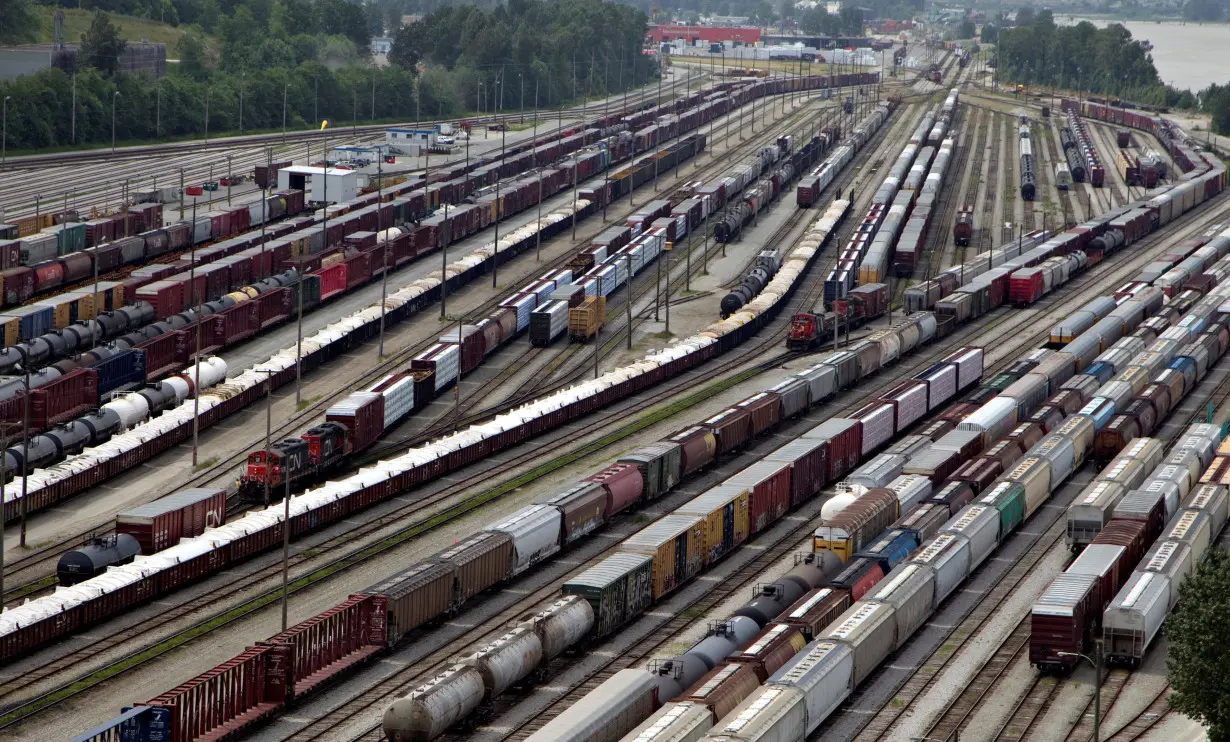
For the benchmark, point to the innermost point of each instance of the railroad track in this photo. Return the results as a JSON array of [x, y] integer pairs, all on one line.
[[1010, 194], [391, 686], [991, 187], [948, 199], [1054, 152], [36, 568], [1033, 703], [368, 529]]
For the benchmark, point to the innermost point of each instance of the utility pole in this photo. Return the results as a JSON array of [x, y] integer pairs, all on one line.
[[384, 275], [196, 397]]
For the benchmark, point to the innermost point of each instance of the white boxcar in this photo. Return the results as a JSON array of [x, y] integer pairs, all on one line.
[[824, 672], [1213, 499], [1091, 510], [878, 426], [941, 385], [910, 590], [1135, 616], [870, 631], [910, 489], [1192, 528], [878, 471], [947, 555], [773, 713], [605, 714], [993, 419], [675, 722], [535, 535], [1172, 559], [978, 524]]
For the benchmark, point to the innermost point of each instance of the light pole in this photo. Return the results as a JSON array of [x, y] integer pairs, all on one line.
[[268, 425], [242, 77], [284, 89], [208, 92], [1097, 683], [115, 95], [4, 138]]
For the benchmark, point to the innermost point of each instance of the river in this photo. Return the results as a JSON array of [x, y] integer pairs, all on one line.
[[1186, 54]]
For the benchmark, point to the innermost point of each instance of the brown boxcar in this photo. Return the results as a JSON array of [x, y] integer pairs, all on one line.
[[731, 428], [1006, 452], [859, 576], [482, 561], [817, 609], [956, 495], [582, 507], [416, 596], [773, 647], [1111, 439], [723, 688], [1131, 535], [162, 523], [765, 410], [979, 473]]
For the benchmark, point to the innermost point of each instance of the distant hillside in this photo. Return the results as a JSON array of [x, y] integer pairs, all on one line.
[[76, 21]]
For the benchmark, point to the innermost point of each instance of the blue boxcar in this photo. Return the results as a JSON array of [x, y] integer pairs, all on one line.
[[136, 724], [891, 548], [121, 370], [1101, 370]]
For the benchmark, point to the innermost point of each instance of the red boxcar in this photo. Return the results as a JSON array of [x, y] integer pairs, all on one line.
[[332, 280], [1025, 286], [161, 524], [623, 484]]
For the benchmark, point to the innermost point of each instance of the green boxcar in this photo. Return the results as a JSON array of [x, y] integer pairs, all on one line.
[[1009, 499], [659, 464], [1001, 382], [619, 588], [70, 238]]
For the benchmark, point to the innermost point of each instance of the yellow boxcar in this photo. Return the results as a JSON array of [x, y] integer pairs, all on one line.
[[725, 512], [61, 311], [675, 543], [857, 525], [10, 330], [83, 305]]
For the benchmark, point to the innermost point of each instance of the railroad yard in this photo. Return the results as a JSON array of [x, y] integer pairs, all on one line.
[[802, 406]]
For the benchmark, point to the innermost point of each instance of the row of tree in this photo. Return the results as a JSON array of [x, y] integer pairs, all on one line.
[[1102, 60]]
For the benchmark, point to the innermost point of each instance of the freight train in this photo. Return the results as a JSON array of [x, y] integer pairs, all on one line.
[[824, 322], [907, 253], [812, 184], [905, 572], [515, 543], [1028, 176], [1087, 150], [963, 229], [885, 217], [356, 424], [40, 620], [1071, 153], [986, 277]]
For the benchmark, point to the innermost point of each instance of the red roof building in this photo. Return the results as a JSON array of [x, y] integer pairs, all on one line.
[[707, 34]]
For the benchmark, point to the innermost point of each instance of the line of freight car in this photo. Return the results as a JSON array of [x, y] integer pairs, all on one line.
[[882, 211], [450, 184], [36, 623], [1026, 279], [1087, 150], [74, 476], [815, 682], [45, 348], [577, 511], [1156, 507], [59, 430], [757, 193], [1071, 153], [1134, 617], [806, 690], [333, 445], [1182, 148], [908, 250], [1028, 176], [814, 183], [762, 493]]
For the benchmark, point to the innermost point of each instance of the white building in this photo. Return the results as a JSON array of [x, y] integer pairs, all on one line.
[[412, 141], [381, 44], [320, 185]]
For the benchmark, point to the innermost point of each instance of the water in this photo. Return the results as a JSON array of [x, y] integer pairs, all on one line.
[[1185, 54]]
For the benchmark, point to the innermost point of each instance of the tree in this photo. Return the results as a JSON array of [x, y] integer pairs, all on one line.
[[1198, 655], [17, 22], [101, 45], [193, 54], [990, 34], [965, 30]]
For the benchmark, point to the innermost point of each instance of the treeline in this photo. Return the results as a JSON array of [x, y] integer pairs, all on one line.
[[1206, 10], [1102, 60], [40, 113], [846, 22], [560, 47]]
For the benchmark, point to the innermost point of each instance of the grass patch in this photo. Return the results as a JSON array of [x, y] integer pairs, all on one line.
[[201, 466], [131, 29], [306, 403], [663, 335], [897, 703], [692, 613]]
